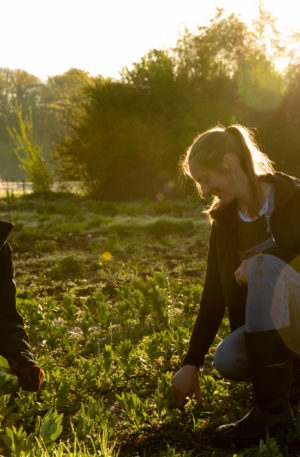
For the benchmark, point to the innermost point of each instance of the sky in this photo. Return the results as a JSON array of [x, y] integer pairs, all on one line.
[[47, 37]]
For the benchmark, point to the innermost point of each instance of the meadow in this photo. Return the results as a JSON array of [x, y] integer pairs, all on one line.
[[109, 293]]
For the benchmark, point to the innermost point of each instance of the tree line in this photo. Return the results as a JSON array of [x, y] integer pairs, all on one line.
[[53, 106], [124, 138]]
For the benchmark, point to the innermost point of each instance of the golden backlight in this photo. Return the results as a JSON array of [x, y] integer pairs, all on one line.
[[101, 37]]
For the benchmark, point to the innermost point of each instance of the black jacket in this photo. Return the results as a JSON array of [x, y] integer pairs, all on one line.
[[220, 290], [13, 337]]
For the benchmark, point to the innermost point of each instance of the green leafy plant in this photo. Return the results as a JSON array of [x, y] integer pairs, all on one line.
[[68, 307], [127, 359], [22, 444], [109, 338], [17, 441], [134, 407], [164, 397], [108, 356], [269, 447], [171, 452], [50, 427]]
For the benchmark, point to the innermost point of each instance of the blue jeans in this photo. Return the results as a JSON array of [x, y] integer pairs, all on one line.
[[273, 302]]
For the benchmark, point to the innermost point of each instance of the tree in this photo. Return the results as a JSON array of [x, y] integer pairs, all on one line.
[[259, 85], [156, 70], [29, 153], [125, 145], [128, 138], [215, 50], [109, 145], [53, 106], [61, 101], [17, 87]]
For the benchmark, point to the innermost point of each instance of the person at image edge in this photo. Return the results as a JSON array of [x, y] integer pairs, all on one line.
[[13, 337], [252, 272]]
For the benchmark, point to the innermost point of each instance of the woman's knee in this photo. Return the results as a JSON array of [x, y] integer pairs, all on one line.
[[231, 359], [268, 294], [221, 362], [225, 362], [264, 264]]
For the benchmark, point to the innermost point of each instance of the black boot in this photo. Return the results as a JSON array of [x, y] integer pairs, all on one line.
[[271, 368]]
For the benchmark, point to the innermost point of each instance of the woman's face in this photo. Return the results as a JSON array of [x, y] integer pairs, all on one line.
[[214, 182]]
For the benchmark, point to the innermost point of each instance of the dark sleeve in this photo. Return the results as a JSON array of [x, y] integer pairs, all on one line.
[[13, 337], [287, 255], [288, 249], [211, 312]]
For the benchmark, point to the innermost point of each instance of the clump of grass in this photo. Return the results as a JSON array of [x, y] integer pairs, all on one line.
[[68, 266], [168, 225], [158, 226], [45, 246], [23, 239], [96, 222]]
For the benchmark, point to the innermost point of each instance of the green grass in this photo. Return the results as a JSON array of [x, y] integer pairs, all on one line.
[[110, 333]]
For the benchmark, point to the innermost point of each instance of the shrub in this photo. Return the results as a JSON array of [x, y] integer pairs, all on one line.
[[68, 266]]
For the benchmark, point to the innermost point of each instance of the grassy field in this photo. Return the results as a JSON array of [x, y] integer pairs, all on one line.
[[109, 293]]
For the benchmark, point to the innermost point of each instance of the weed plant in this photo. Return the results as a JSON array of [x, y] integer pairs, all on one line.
[[109, 293]]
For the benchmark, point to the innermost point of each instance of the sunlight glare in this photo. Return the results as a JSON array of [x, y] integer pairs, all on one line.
[[47, 38]]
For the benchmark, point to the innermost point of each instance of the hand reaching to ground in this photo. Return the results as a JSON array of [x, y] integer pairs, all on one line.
[[30, 376], [186, 382]]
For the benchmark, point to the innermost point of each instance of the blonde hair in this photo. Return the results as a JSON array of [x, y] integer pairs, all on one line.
[[209, 149]]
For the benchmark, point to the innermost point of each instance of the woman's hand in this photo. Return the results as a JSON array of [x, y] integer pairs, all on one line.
[[186, 382], [241, 272]]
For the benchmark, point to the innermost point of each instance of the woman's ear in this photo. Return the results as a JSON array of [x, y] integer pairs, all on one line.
[[231, 162]]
